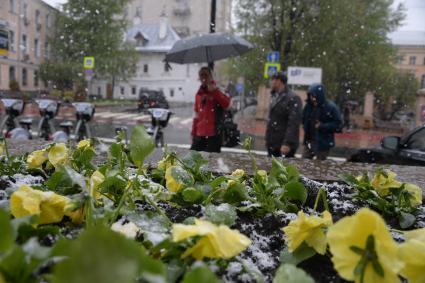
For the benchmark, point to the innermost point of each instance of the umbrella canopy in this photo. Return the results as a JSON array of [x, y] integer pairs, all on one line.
[[207, 48]]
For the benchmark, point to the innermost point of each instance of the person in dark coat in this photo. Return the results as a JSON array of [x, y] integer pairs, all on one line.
[[205, 135], [285, 114], [321, 119]]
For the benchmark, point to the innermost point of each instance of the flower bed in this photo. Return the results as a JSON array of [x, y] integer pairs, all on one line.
[[66, 219]]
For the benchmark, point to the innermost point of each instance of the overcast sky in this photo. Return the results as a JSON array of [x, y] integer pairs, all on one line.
[[415, 19]]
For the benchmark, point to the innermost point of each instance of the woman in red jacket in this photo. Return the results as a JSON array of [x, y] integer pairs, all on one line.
[[208, 100]]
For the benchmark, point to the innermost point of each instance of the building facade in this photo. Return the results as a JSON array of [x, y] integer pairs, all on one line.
[[182, 18], [28, 24], [411, 50], [187, 17], [153, 41]]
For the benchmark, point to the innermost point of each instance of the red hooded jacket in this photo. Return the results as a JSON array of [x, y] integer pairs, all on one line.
[[205, 103]]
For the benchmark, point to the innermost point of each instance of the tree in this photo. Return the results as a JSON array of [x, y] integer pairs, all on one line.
[[347, 39], [95, 28], [60, 75]]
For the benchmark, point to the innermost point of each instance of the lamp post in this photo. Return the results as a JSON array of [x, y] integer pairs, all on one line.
[[212, 25]]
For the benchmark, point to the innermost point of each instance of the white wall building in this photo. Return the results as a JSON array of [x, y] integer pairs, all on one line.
[[153, 41]]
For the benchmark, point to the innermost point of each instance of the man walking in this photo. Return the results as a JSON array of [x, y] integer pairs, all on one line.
[[285, 114], [321, 119]]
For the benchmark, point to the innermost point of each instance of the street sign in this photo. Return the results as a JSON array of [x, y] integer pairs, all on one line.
[[88, 62], [270, 69], [240, 88], [304, 76], [273, 57]]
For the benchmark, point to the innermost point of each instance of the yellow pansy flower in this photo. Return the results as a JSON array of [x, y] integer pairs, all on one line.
[[382, 184], [58, 154], [216, 241], [47, 205], [96, 180], [36, 159], [416, 192], [238, 173], [308, 229], [166, 163], [83, 144], [412, 253], [177, 178], [354, 231]]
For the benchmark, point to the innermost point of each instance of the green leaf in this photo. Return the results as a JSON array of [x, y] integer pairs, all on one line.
[[192, 195], [66, 181], [296, 191], [288, 273], [114, 184], [7, 235], [235, 193], [302, 253], [221, 214], [406, 220], [293, 174], [141, 145], [200, 274], [154, 226], [101, 255], [194, 161]]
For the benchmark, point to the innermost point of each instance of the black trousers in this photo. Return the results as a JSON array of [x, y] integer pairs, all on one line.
[[208, 144], [277, 153]]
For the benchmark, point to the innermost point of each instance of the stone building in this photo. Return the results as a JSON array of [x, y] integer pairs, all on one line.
[[187, 17], [411, 48], [28, 24]]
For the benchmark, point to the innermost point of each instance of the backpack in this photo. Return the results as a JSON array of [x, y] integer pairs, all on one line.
[[225, 127]]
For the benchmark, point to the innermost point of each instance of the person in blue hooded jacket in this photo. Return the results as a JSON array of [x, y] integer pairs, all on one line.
[[321, 119]]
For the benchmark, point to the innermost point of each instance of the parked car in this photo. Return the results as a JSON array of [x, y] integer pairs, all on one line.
[[406, 150], [152, 99]]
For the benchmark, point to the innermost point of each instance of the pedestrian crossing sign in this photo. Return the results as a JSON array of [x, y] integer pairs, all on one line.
[[88, 62], [270, 69]]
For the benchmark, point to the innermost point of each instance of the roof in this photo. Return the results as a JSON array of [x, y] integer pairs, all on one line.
[[150, 32], [408, 38]]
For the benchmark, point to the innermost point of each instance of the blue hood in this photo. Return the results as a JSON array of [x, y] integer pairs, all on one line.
[[318, 91]]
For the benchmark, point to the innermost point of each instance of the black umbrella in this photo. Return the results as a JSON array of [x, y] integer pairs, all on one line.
[[207, 48]]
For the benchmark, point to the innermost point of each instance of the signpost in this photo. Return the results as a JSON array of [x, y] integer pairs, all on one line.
[[304, 76], [270, 69], [272, 66], [273, 57], [88, 62]]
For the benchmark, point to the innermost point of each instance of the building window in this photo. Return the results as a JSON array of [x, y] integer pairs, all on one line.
[[24, 77], [145, 68], [11, 41], [12, 74], [122, 90], [37, 17], [423, 81], [36, 78], [424, 61], [36, 48], [412, 60], [133, 90], [24, 44], [46, 49], [12, 5], [48, 20], [171, 92]]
